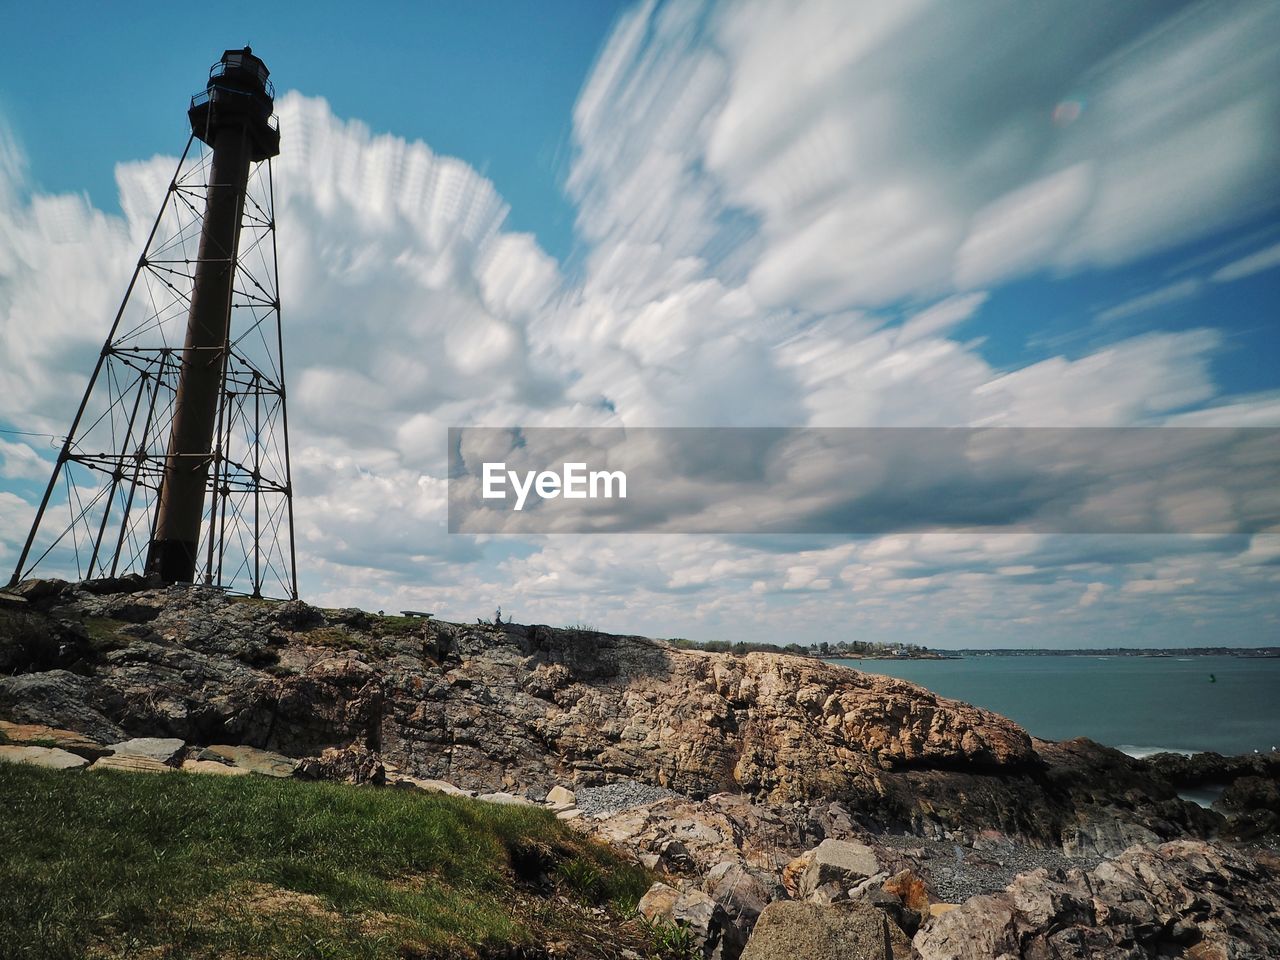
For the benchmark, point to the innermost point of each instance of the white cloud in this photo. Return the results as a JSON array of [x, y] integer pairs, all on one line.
[[1256, 262], [754, 183], [1092, 593], [1161, 297], [941, 317], [905, 150], [19, 461]]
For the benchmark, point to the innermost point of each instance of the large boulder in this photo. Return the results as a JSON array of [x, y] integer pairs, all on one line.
[[788, 930], [298, 615], [164, 749], [50, 757], [741, 892], [561, 798], [837, 865], [60, 698]]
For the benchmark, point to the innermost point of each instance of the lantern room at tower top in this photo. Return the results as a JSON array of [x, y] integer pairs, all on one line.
[[239, 92]]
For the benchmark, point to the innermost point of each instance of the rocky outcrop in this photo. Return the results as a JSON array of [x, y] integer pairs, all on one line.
[[525, 707], [1250, 785], [1199, 769], [1185, 899], [1252, 805]]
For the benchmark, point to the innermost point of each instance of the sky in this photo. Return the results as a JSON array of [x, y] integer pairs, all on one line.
[[830, 214]]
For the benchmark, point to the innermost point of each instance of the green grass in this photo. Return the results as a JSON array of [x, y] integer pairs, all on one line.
[[393, 626], [179, 865]]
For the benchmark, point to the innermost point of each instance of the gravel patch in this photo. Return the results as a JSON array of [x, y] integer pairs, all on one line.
[[622, 795], [958, 872]]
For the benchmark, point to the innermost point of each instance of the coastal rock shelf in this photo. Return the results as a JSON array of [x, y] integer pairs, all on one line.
[[497, 707], [741, 780]]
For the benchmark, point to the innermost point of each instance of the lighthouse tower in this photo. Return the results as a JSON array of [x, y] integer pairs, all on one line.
[[176, 464]]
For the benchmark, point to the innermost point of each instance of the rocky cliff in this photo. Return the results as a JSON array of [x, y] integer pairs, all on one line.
[[525, 707]]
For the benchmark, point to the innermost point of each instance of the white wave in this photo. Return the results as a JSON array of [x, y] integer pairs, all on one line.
[[1141, 753]]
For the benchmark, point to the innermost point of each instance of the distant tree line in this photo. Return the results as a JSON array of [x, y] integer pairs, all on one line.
[[843, 648]]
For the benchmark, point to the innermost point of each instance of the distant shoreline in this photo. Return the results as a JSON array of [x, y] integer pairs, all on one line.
[[1249, 653]]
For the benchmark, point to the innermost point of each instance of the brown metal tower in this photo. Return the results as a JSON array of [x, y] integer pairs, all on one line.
[[234, 119], [217, 404]]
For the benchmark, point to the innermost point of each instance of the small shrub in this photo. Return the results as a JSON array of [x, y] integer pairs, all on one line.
[[581, 877], [670, 940]]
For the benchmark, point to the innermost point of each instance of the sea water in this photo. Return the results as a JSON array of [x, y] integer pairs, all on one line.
[[1140, 705]]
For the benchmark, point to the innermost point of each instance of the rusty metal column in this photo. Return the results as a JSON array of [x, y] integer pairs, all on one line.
[[173, 550]]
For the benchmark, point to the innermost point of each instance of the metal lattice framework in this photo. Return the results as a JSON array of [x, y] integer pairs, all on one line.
[[98, 513]]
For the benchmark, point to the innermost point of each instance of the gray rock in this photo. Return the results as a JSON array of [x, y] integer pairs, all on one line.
[[788, 930], [297, 615], [250, 759], [50, 757], [164, 749], [509, 799], [1150, 901], [35, 590], [131, 763], [561, 798], [1106, 837], [840, 862], [740, 892], [355, 763], [833, 891], [434, 786], [60, 698], [674, 856]]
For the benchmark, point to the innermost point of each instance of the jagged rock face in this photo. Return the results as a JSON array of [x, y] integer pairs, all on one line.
[[1251, 787], [1185, 898], [510, 706], [1202, 768]]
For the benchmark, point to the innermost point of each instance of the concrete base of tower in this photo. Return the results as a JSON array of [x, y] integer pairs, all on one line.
[[173, 561]]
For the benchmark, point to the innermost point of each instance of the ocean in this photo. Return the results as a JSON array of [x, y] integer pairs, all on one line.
[[1140, 705]]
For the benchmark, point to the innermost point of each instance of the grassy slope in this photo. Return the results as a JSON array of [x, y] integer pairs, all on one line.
[[111, 864]]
